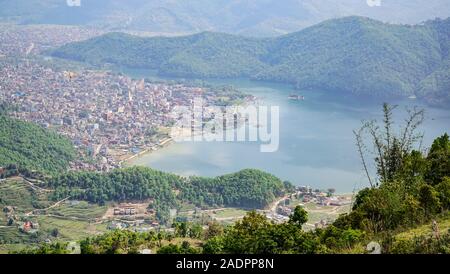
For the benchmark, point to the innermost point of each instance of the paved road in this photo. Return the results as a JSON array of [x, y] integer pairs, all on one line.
[[273, 208]]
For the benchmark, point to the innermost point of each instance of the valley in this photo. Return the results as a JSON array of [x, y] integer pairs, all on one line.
[[351, 55], [224, 127]]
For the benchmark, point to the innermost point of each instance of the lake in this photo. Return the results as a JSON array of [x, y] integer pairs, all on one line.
[[317, 146]]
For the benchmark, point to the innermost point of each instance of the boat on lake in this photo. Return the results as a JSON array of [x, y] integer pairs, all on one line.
[[296, 97]]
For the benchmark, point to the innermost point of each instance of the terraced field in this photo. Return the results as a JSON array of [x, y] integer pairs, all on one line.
[[12, 235], [73, 220], [80, 210], [16, 192]]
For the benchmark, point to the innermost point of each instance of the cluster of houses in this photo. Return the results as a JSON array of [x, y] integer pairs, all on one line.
[[29, 227], [322, 224], [307, 195], [128, 211], [107, 115], [284, 210], [26, 40], [131, 216], [332, 201], [275, 216], [139, 225], [26, 226]]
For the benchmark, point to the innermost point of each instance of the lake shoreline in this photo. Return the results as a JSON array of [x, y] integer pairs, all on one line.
[[316, 143], [146, 151]]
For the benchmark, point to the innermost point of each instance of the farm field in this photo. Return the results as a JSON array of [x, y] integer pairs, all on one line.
[[70, 230], [17, 192], [78, 209], [57, 221]]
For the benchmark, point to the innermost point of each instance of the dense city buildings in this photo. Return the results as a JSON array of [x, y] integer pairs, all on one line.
[[108, 116], [28, 40]]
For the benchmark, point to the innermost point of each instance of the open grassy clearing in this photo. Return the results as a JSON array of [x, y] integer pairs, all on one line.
[[426, 229], [229, 213], [70, 230]]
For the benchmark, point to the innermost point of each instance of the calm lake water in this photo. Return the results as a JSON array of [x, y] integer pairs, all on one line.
[[317, 146]]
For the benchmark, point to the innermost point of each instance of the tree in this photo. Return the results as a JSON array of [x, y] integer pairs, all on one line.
[[213, 245], [429, 200], [185, 248], [169, 249], [414, 167], [439, 160], [195, 231], [444, 192], [42, 249], [299, 217], [251, 235], [182, 229], [160, 236], [389, 148], [350, 236], [361, 197], [330, 192], [185, 245], [55, 232], [10, 222], [214, 229]]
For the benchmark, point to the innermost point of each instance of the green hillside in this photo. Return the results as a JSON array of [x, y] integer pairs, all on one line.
[[32, 147], [356, 55], [435, 87], [353, 55], [247, 188]]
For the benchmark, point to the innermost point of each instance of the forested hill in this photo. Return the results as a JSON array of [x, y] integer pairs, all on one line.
[[353, 54], [436, 87], [247, 188], [31, 147]]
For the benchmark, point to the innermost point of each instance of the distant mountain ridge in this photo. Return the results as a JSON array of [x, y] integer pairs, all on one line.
[[245, 17], [354, 55]]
